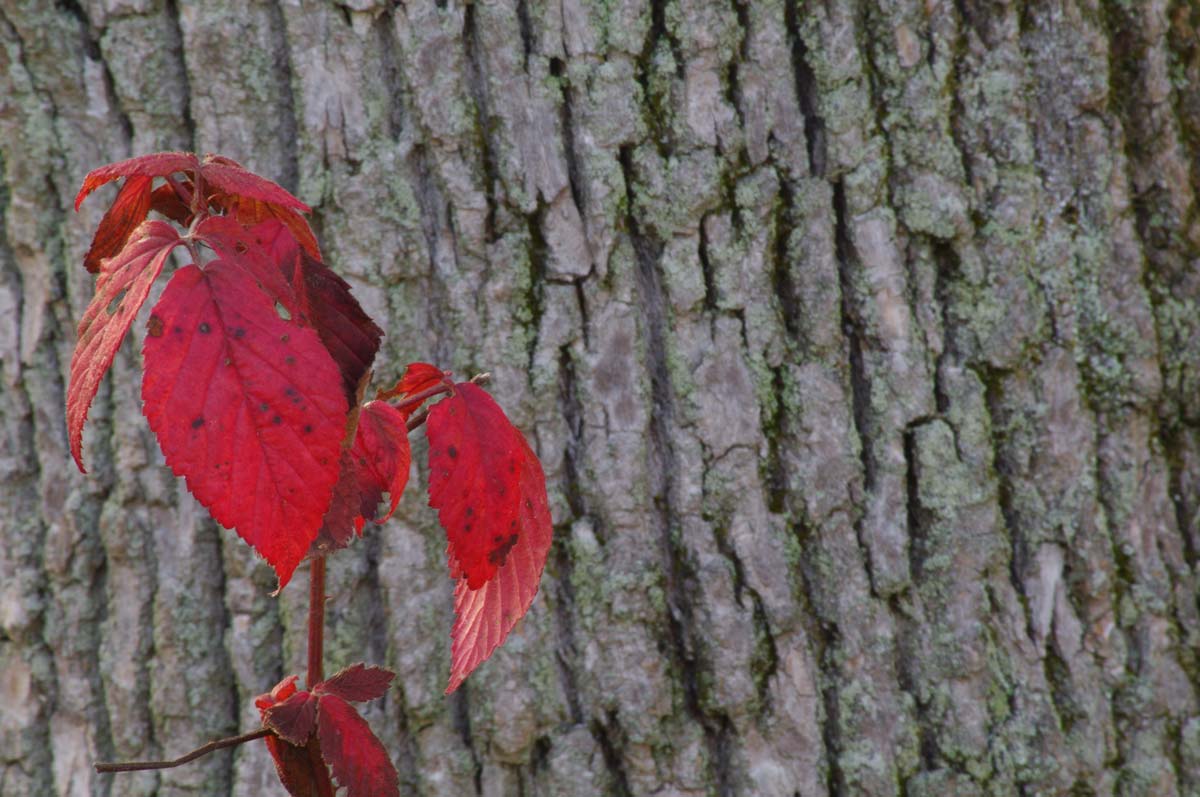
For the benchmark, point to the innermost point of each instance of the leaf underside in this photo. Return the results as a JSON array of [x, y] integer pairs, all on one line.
[[124, 280], [247, 407], [490, 493]]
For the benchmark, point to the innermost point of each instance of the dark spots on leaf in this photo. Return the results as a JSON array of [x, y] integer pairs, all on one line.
[[500, 552], [277, 420], [453, 452], [512, 524], [498, 538], [198, 421], [154, 327], [467, 529], [528, 504], [512, 468], [240, 247], [263, 407], [228, 361], [205, 328], [470, 511], [178, 330], [284, 338], [308, 428], [239, 332], [290, 360]]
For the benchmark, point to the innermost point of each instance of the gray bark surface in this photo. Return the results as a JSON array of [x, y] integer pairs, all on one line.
[[860, 342]]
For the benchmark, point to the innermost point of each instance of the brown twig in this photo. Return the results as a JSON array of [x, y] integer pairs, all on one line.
[[316, 622], [213, 746]]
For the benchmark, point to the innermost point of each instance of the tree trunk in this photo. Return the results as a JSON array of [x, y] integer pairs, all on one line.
[[859, 340]]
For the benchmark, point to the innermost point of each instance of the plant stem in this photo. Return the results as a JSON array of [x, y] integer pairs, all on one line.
[[316, 622], [213, 746]]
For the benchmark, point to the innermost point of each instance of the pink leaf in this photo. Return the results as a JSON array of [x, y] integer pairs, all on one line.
[[490, 493], [121, 289]]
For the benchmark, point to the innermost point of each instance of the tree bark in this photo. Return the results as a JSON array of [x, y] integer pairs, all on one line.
[[859, 340]]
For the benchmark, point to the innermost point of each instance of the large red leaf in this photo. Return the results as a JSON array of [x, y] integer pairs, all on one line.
[[128, 210], [121, 289], [359, 763], [247, 407], [357, 683], [490, 493]]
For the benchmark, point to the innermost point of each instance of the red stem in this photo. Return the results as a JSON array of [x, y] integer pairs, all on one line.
[[219, 744], [316, 622]]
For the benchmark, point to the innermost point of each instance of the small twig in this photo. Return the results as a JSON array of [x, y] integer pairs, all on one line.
[[316, 621], [213, 746], [418, 418], [416, 399]]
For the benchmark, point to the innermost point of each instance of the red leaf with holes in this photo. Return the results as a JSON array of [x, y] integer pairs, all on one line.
[[357, 683], [490, 493], [247, 407], [128, 210], [124, 280], [359, 763], [251, 212]]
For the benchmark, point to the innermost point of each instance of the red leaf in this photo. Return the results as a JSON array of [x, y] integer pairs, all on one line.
[[164, 200], [128, 210], [229, 176], [251, 212], [103, 326], [357, 683], [224, 174], [490, 493], [159, 164], [417, 378], [377, 462], [247, 407], [325, 301], [235, 244], [294, 718], [300, 768], [358, 761], [383, 457]]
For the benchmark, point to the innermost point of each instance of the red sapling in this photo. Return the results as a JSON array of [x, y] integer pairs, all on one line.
[[256, 361]]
